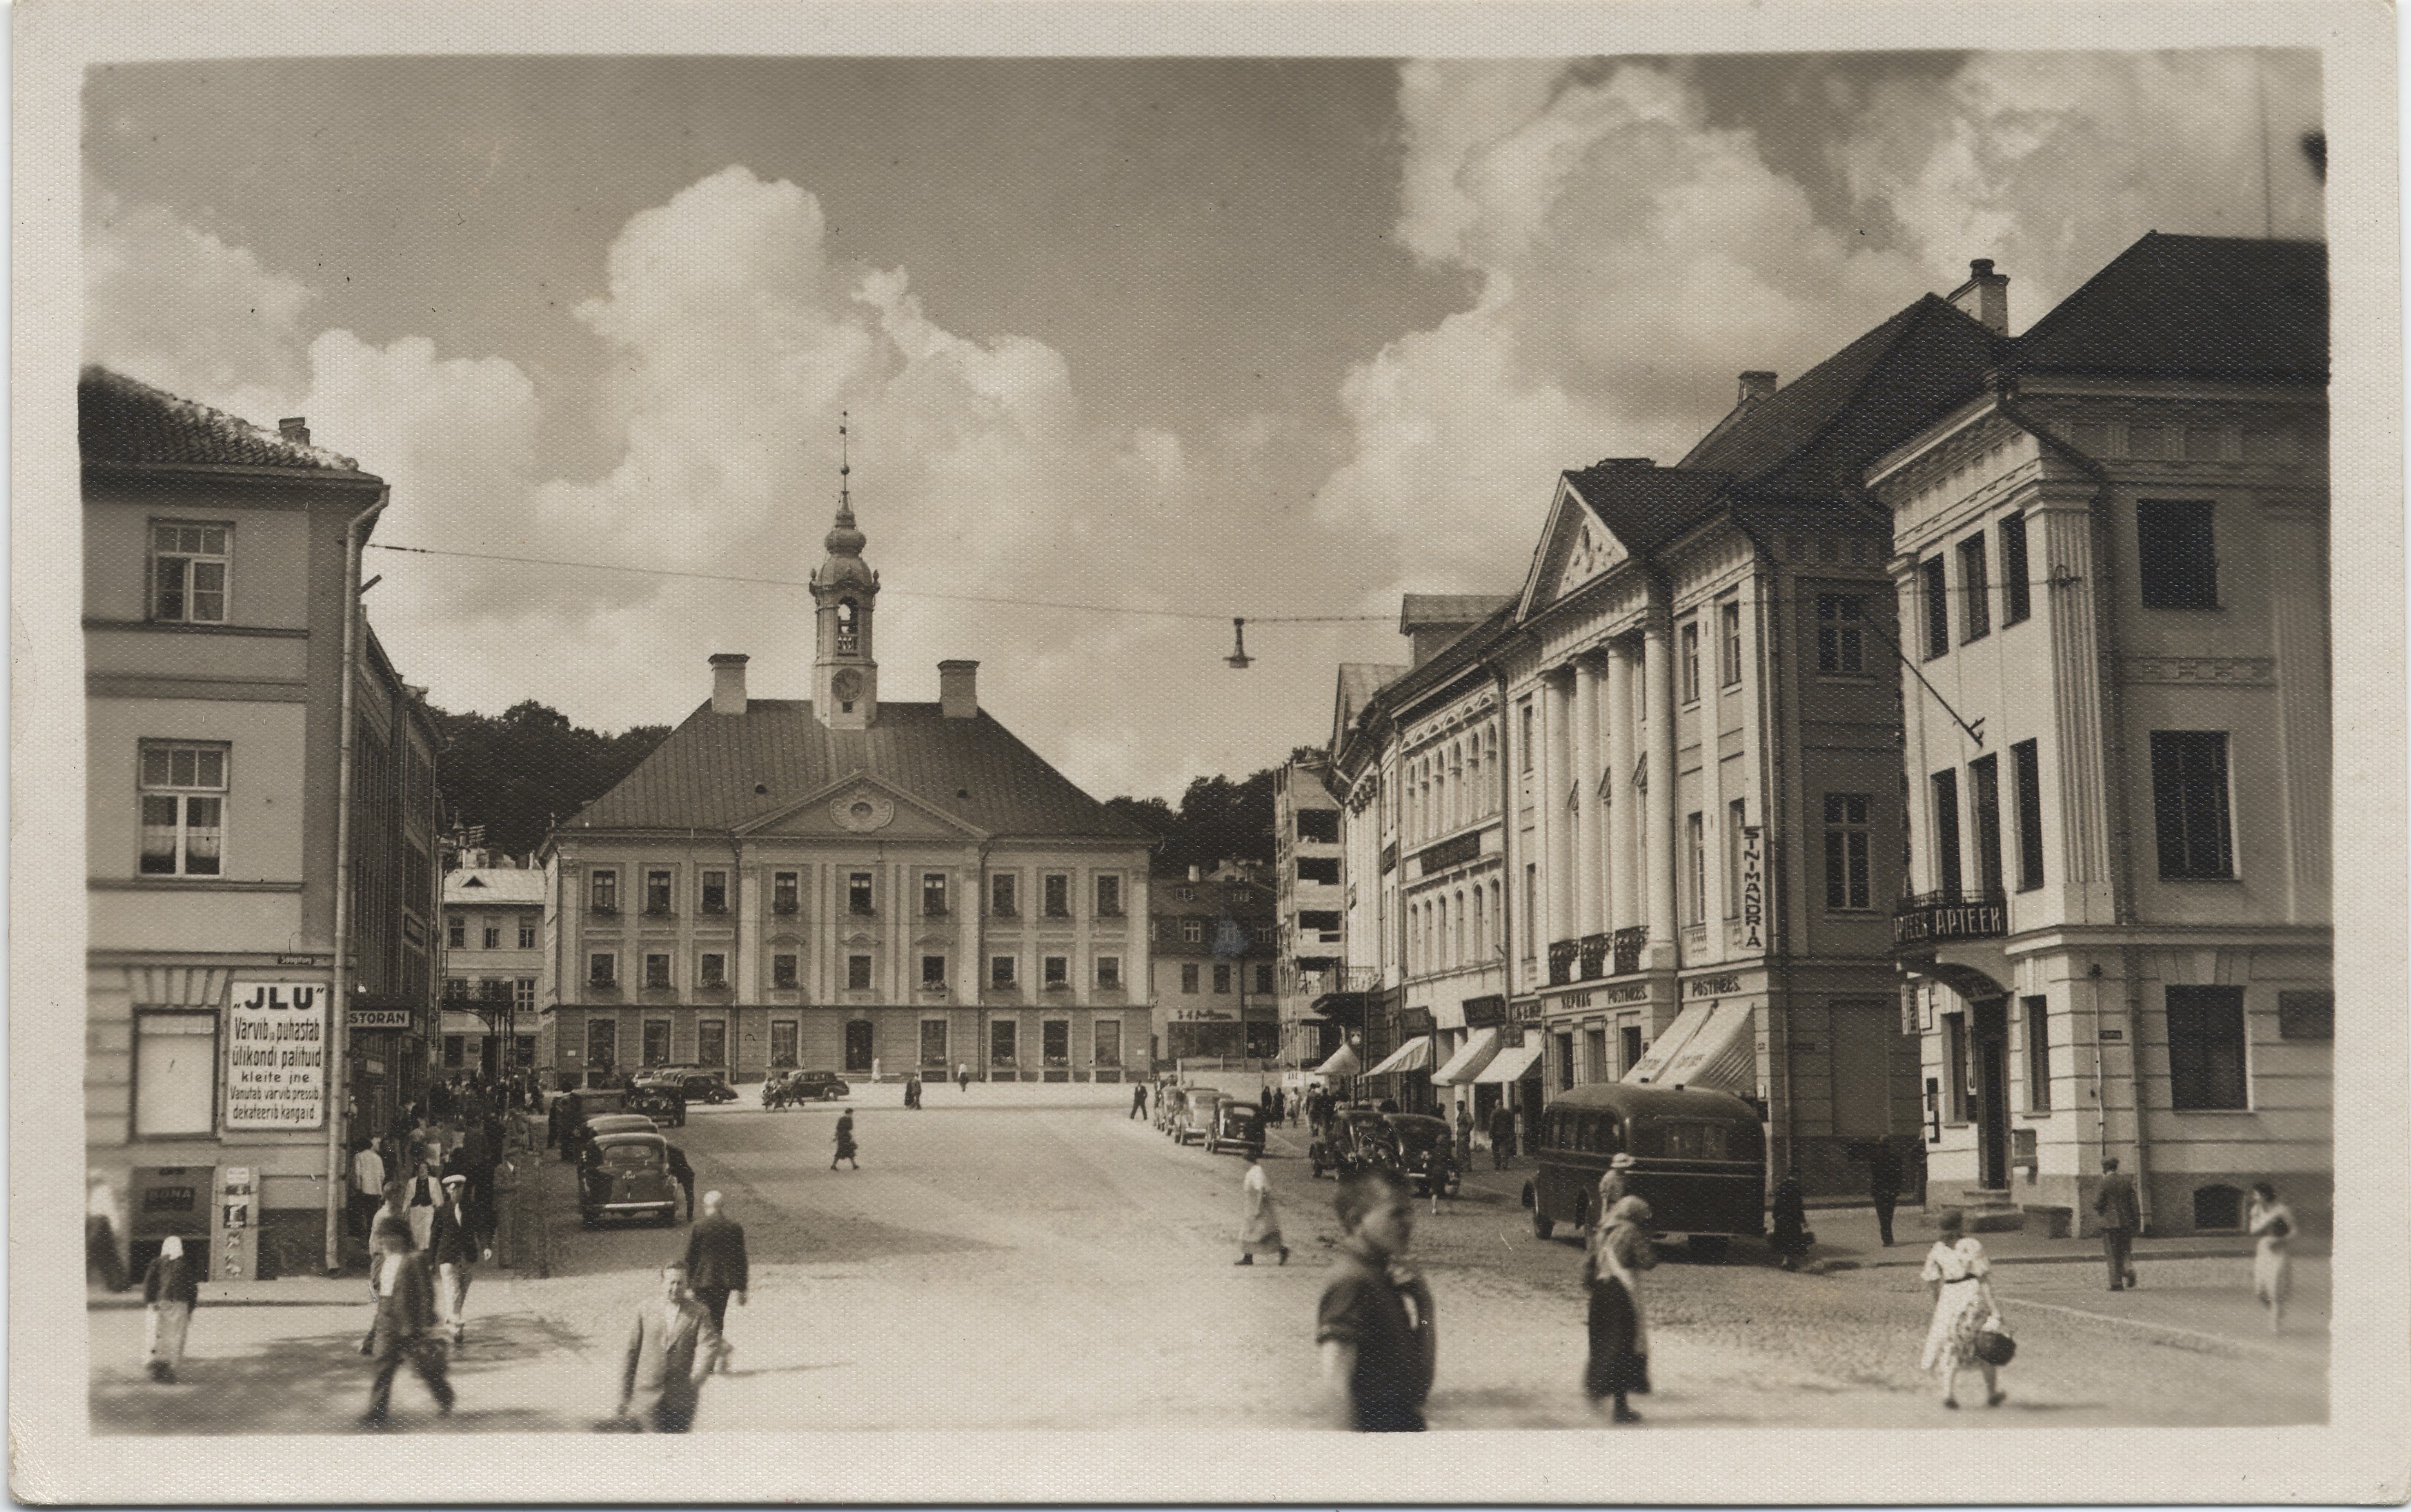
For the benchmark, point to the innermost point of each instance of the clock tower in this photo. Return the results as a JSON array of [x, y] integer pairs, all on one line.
[[845, 679]]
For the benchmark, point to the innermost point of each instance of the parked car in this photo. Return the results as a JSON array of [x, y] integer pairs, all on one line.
[[625, 1173], [1237, 1125], [583, 1105], [1197, 1114], [659, 1098], [1357, 1137], [1426, 1145], [805, 1086], [699, 1085]]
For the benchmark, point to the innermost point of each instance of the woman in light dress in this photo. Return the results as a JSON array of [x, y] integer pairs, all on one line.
[[171, 1289], [2271, 1223], [1958, 1277], [1619, 1334], [1262, 1234]]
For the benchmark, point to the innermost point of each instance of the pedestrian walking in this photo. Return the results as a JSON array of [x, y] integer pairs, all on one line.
[[1790, 1237], [1374, 1326], [1138, 1099], [683, 1175], [844, 1141], [963, 1077], [1883, 1186], [101, 1253], [716, 1267], [2121, 1215], [1464, 1138], [368, 1185], [670, 1350], [1619, 1252], [2270, 1223], [171, 1291], [454, 1247], [1958, 1277], [1502, 1137], [1260, 1234], [1614, 1185], [405, 1315], [911, 1089], [420, 1195]]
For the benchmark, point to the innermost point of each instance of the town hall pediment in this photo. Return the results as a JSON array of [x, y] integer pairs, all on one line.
[[1575, 547], [865, 806]]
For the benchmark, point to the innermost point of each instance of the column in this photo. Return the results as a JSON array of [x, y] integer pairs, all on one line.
[[2063, 524], [1591, 912], [1623, 804], [1557, 824], [1657, 680]]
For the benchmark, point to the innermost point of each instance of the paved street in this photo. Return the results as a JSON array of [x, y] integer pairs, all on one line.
[[1028, 1257]]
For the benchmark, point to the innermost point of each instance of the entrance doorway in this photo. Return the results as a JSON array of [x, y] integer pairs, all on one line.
[[857, 1045], [1992, 1068]]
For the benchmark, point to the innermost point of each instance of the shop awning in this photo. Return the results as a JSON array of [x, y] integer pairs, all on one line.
[[1343, 1062], [1511, 1065], [1414, 1056], [1469, 1059], [1710, 1045]]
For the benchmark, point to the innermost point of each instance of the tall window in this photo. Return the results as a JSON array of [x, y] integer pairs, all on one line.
[[1192, 931], [1109, 1041], [782, 1042], [1523, 735], [1690, 662], [1734, 813], [1984, 806], [2017, 597], [1109, 972], [1221, 976], [522, 994], [2206, 1065], [1728, 640], [715, 892], [1055, 971], [933, 894], [933, 971], [2025, 771], [183, 809], [1531, 907], [1003, 895], [188, 572], [1000, 969], [1846, 852], [1058, 896], [711, 1042], [1954, 1066], [657, 970], [2189, 802], [858, 891], [714, 972], [456, 933], [1263, 976], [1695, 829], [2037, 1016], [1189, 977], [783, 892], [1937, 608], [1109, 895], [1837, 632], [857, 973], [603, 892], [657, 892], [527, 933], [782, 971], [175, 1073], [1976, 589], [492, 935], [2175, 554], [602, 969], [1946, 831], [657, 1042]]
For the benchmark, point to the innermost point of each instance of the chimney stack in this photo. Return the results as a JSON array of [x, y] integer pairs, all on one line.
[[1193, 871], [959, 690], [729, 682], [294, 428], [1985, 296], [1756, 385]]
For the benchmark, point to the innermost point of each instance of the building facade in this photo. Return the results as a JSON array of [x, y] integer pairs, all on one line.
[[2111, 562], [493, 964], [225, 801], [847, 883], [1309, 867], [1215, 948]]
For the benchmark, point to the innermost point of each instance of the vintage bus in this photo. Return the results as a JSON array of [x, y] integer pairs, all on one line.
[[1699, 1160]]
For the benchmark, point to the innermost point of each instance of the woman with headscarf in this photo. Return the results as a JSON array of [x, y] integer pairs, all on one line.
[[1790, 1237], [2270, 1223], [171, 1291], [1958, 1277], [420, 1197], [1261, 1234], [1619, 1337]]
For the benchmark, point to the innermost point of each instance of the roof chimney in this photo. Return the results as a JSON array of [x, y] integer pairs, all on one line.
[[1193, 871], [1757, 383], [1985, 296], [294, 428], [729, 682], [959, 690]]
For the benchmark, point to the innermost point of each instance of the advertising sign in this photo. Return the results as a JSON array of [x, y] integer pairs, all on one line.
[[1753, 891], [379, 1018], [276, 1056]]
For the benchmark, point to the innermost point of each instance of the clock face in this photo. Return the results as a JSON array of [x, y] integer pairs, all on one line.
[[847, 684]]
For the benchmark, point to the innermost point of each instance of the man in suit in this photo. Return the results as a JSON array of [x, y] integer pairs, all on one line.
[[715, 1266], [670, 1351], [1883, 1186], [1502, 1137], [453, 1240], [405, 1312], [2121, 1215]]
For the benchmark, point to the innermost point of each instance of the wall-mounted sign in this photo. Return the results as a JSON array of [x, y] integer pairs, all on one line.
[[1526, 1012], [378, 1018], [2114, 1034], [1454, 852], [303, 958], [1487, 1011], [1715, 986], [1625, 992], [276, 1054], [1753, 893]]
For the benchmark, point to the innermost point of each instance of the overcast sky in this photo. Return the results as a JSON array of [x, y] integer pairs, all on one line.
[[1217, 337]]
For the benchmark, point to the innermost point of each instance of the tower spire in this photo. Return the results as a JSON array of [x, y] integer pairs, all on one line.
[[845, 677], [844, 470]]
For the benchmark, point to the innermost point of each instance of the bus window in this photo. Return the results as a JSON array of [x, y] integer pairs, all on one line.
[[1600, 1138], [1687, 1140]]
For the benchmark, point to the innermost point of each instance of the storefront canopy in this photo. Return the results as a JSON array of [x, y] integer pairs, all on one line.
[[1712, 1045], [1343, 1062], [1469, 1059], [1414, 1056], [1512, 1065]]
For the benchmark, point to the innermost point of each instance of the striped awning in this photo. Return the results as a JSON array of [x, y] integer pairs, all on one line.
[[1343, 1062], [1414, 1056], [1712, 1045], [1469, 1059], [1511, 1065]]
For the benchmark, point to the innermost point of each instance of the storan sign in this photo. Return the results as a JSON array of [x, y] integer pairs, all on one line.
[[276, 1056]]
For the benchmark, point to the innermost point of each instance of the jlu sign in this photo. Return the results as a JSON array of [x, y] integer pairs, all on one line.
[[276, 1056]]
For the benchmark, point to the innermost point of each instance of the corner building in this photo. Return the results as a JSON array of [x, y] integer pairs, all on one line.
[[849, 884], [2112, 561]]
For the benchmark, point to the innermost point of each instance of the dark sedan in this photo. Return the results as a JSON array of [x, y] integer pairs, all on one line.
[[1237, 1125], [1427, 1153], [1356, 1138]]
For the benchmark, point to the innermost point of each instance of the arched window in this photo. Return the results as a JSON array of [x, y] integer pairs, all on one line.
[[1498, 919], [1440, 956], [1481, 922], [849, 635], [1414, 939], [1491, 740]]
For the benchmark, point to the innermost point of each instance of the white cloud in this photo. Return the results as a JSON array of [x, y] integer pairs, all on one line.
[[174, 305]]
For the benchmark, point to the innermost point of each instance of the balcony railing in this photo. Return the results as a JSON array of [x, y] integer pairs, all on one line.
[[1596, 949], [1931, 918], [1625, 945], [1562, 955]]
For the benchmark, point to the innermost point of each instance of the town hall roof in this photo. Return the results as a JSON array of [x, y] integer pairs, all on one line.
[[121, 420], [723, 771], [2233, 308]]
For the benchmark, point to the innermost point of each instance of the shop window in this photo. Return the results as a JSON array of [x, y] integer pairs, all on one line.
[[1054, 1041], [1003, 1036], [602, 1043], [1108, 1034], [2217, 1207], [189, 562], [933, 1044], [657, 1042], [175, 1073]]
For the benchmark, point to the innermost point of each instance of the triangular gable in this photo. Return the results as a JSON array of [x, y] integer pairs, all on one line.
[[861, 803], [1575, 546]]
